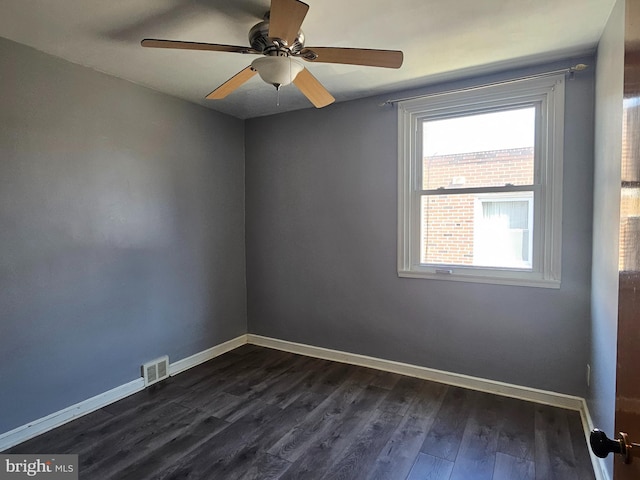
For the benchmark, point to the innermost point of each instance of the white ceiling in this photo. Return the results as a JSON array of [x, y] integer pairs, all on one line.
[[441, 39]]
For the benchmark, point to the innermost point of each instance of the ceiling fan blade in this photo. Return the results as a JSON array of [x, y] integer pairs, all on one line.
[[313, 89], [354, 56], [285, 19], [214, 47], [230, 85]]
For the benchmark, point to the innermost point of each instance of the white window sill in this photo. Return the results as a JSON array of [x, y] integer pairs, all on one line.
[[514, 280]]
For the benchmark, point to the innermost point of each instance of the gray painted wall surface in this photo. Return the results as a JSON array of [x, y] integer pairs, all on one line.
[[606, 216], [121, 232], [321, 252]]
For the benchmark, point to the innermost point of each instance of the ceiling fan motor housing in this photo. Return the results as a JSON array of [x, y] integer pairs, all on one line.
[[260, 41]]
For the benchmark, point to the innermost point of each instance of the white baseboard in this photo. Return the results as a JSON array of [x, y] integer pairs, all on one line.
[[201, 357], [599, 464], [44, 424], [56, 419], [474, 383]]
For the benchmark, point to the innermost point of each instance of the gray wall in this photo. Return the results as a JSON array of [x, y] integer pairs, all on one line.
[[122, 237], [121, 231], [321, 252], [606, 219]]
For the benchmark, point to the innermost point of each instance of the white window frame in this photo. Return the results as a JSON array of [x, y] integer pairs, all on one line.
[[546, 93]]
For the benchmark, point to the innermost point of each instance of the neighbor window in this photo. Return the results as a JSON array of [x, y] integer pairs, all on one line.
[[502, 231], [480, 176]]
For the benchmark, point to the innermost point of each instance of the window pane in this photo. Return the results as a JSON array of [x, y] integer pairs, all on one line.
[[447, 229], [482, 231], [489, 149]]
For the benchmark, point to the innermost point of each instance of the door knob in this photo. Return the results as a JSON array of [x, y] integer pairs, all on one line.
[[601, 445]]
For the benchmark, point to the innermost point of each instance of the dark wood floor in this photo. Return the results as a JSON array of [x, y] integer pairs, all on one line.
[[257, 413]]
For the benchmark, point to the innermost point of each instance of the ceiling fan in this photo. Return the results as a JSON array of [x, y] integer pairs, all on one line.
[[279, 38]]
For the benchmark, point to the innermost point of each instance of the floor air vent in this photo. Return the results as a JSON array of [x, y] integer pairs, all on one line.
[[155, 370]]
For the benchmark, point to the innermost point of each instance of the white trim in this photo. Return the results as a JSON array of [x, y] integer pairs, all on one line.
[[56, 419], [599, 464], [553, 399], [466, 381], [206, 355], [44, 424]]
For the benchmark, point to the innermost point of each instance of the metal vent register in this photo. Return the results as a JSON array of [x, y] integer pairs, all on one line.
[[155, 370]]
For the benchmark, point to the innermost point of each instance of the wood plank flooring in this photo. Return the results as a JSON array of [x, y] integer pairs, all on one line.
[[256, 413]]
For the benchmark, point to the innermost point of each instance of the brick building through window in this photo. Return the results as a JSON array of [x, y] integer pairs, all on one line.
[[453, 231]]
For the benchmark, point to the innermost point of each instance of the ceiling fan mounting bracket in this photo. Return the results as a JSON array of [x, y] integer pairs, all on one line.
[[261, 42]]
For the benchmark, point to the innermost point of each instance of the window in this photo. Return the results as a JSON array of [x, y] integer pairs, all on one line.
[[502, 233], [480, 177]]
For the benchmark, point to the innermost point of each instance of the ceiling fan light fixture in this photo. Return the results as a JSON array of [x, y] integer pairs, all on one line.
[[277, 70]]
